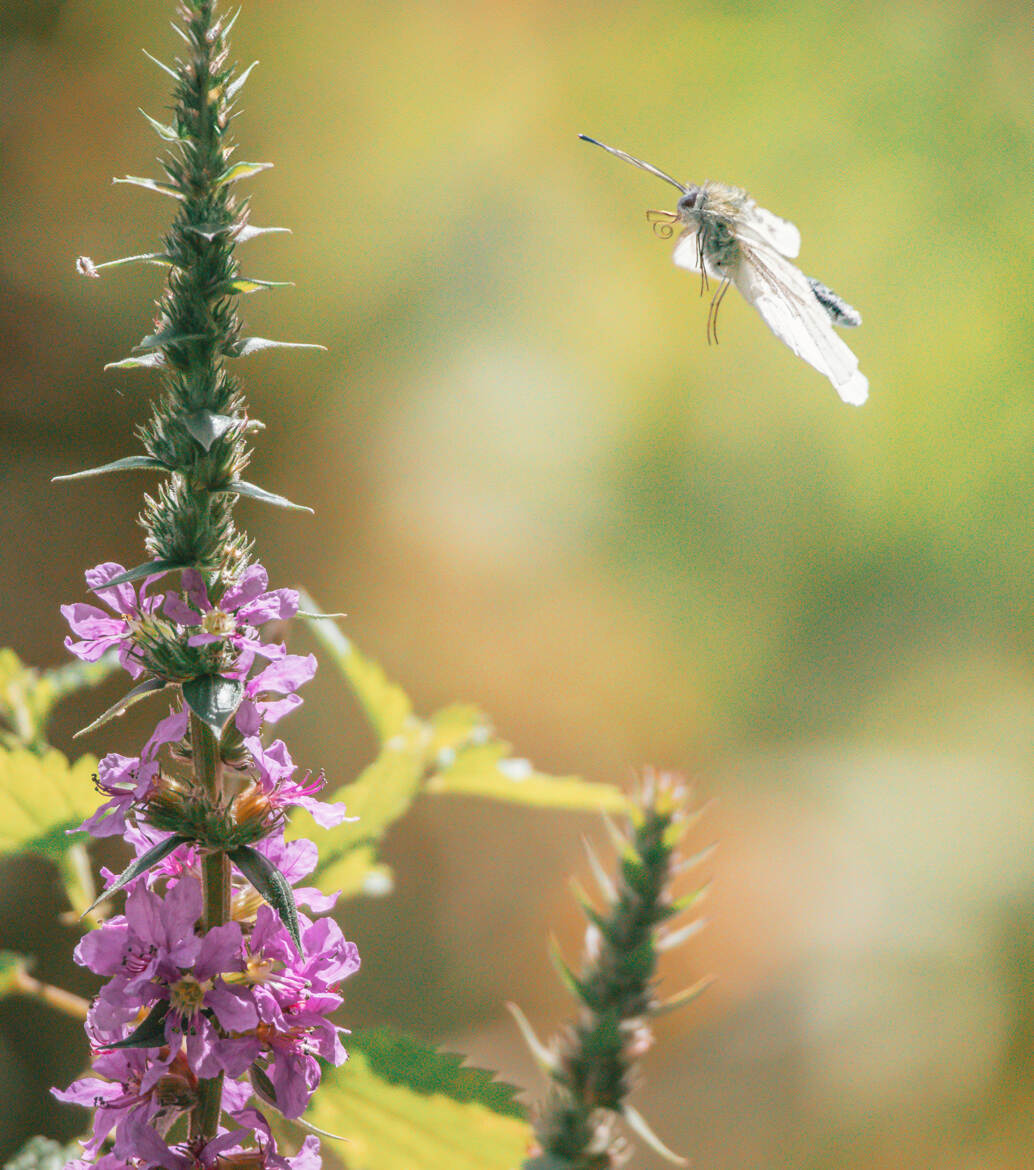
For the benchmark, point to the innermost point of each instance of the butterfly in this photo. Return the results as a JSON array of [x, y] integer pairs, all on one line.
[[726, 237]]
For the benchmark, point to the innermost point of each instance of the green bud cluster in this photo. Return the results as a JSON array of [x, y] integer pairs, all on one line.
[[593, 1063]]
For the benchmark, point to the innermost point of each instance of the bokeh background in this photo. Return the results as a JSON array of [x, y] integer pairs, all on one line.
[[538, 489]]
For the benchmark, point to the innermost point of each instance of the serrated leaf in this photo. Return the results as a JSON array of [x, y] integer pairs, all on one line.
[[168, 133], [246, 346], [241, 170], [206, 427], [42, 1153], [129, 463], [150, 1032], [151, 185], [487, 770], [213, 699], [142, 864], [27, 695], [41, 797], [444, 1118], [150, 686], [148, 569], [254, 492], [272, 885], [384, 702], [245, 284], [146, 361]]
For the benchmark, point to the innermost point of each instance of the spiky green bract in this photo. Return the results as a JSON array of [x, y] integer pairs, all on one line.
[[189, 519], [592, 1064]]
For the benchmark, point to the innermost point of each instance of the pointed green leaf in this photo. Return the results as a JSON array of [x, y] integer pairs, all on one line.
[[149, 569], [241, 170], [160, 340], [150, 1033], [206, 427], [214, 699], [85, 265], [169, 133], [151, 185], [488, 770], [272, 885], [385, 703], [448, 1119], [147, 361], [250, 233], [235, 86], [245, 285], [242, 488], [142, 864], [246, 346], [161, 65], [42, 796], [131, 462], [140, 691]]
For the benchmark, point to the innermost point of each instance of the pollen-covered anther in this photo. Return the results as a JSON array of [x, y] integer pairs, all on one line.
[[186, 995], [219, 624]]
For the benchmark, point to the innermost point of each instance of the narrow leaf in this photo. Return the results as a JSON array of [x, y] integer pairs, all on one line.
[[130, 463], [169, 133], [245, 285], [150, 569], [241, 170], [637, 1123], [159, 340], [235, 86], [681, 998], [250, 233], [151, 185], [141, 865], [242, 488], [147, 361], [545, 1058], [206, 427], [246, 346], [151, 1031], [213, 699], [272, 885], [140, 691], [85, 265], [161, 65]]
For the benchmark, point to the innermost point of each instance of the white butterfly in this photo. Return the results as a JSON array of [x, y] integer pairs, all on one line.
[[725, 235]]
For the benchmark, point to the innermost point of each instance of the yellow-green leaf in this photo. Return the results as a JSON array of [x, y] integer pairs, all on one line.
[[40, 797], [390, 1126], [488, 770], [386, 704]]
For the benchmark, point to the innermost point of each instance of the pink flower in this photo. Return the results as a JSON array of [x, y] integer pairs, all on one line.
[[97, 631]]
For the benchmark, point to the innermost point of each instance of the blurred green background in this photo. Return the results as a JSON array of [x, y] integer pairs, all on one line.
[[538, 489]]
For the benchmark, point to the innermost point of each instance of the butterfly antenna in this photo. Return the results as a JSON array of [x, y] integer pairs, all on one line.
[[636, 162]]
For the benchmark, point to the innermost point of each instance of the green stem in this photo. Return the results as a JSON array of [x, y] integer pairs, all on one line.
[[215, 881]]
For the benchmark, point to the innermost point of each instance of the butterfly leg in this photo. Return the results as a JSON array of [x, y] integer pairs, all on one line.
[[712, 310]]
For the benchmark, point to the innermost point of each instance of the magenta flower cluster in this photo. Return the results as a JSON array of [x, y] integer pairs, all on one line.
[[241, 1001]]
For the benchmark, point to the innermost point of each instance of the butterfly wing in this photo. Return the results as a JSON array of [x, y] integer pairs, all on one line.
[[782, 295], [761, 227]]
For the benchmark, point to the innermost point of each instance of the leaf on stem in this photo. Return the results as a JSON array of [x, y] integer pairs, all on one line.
[[272, 885], [130, 463], [149, 686], [142, 864], [213, 699]]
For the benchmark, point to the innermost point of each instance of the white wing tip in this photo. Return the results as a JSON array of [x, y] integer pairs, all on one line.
[[855, 390]]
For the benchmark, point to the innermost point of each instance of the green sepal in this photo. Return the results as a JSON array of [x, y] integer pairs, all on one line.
[[151, 185], [243, 488], [140, 691], [160, 340], [168, 133], [213, 699], [141, 865], [272, 885], [150, 569], [206, 427], [241, 170], [150, 1033], [244, 284], [246, 346], [130, 463], [147, 361], [235, 86]]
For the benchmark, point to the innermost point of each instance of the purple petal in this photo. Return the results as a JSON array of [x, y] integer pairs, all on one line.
[[251, 583]]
